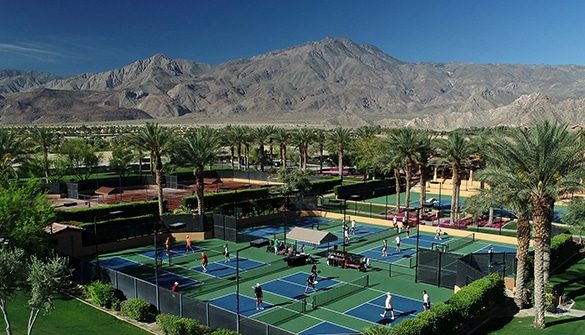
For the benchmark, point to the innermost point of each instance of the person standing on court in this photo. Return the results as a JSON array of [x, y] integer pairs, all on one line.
[[438, 233], [188, 245], [398, 243], [258, 293], [175, 287], [388, 306], [385, 248], [426, 301], [276, 246], [407, 231], [226, 253], [311, 280], [314, 270], [395, 222], [353, 227], [168, 246], [204, 261]]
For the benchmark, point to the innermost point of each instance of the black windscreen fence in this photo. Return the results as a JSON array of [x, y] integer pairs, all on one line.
[[174, 303], [446, 269], [225, 227]]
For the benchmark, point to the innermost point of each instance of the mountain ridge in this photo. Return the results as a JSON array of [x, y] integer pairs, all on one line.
[[333, 81]]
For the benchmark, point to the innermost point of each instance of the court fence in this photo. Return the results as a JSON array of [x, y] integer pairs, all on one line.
[[445, 269], [172, 303]]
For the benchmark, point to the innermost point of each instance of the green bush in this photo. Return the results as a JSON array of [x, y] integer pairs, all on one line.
[[562, 248], [378, 330], [117, 304], [100, 293], [136, 309], [128, 210], [224, 332], [215, 199], [324, 185], [174, 325]]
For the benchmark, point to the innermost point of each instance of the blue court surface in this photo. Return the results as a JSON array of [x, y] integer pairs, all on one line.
[[176, 250], [247, 305], [224, 269], [118, 263], [293, 286], [167, 279], [393, 256], [328, 328], [278, 226], [404, 308], [496, 249]]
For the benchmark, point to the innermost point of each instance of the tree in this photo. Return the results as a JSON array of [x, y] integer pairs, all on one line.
[[455, 149], [44, 140], [13, 153], [320, 138], [78, 158], [340, 137], [199, 149], [122, 156], [424, 152], [368, 155], [24, 213], [227, 139], [261, 135], [404, 142], [282, 137], [296, 180], [11, 274], [541, 164], [302, 138], [157, 141]]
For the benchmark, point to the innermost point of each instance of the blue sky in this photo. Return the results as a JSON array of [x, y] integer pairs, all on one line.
[[69, 37]]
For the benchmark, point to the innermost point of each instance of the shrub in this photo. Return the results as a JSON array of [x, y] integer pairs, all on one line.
[[215, 199], [116, 304], [136, 309], [174, 325], [378, 330], [325, 185], [100, 293], [562, 248], [224, 332], [128, 210], [417, 326]]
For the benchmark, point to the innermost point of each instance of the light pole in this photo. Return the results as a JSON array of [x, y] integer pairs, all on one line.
[[95, 218], [238, 286], [344, 208]]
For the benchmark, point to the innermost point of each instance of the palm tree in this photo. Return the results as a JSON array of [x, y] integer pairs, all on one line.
[[320, 137], [239, 135], [392, 164], [44, 139], [260, 136], [455, 149], [424, 152], [227, 139], [540, 164], [13, 153], [303, 137], [199, 148], [404, 142], [282, 137], [340, 137], [157, 141]]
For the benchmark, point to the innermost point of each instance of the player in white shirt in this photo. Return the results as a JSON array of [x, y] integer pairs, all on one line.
[[388, 306]]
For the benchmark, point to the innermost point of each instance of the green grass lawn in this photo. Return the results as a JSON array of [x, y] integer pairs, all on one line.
[[70, 317], [573, 281], [515, 326]]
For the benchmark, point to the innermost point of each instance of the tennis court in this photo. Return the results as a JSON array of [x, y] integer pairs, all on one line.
[[224, 269], [404, 308]]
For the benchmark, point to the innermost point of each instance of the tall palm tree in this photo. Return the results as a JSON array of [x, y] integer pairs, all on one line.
[[260, 136], [13, 153], [157, 141], [404, 142], [271, 130], [424, 153], [541, 164], [392, 164], [455, 149], [227, 139], [340, 137], [282, 137], [239, 135], [303, 138], [320, 138], [44, 139], [199, 148]]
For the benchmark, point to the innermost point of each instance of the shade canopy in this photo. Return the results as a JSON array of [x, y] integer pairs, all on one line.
[[310, 236]]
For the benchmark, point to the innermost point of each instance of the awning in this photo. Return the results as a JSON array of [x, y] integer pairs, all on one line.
[[310, 236]]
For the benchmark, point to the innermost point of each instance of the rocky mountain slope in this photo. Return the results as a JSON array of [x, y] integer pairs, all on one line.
[[329, 82]]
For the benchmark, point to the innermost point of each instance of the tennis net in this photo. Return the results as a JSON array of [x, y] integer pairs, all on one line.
[[459, 243], [340, 291]]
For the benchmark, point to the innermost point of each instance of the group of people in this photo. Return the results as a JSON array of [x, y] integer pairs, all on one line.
[[289, 250], [349, 227], [404, 226], [389, 305], [310, 284]]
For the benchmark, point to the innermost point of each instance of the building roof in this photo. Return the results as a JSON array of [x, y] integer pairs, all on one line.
[[311, 236]]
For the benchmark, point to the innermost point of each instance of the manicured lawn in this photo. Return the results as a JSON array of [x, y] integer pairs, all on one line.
[[573, 281], [516, 326], [70, 317]]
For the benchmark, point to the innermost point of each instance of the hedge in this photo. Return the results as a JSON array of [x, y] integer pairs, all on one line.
[[444, 318], [174, 325], [224, 332], [325, 185], [215, 199], [100, 293], [128, 210], [562, 248], [136, 309]]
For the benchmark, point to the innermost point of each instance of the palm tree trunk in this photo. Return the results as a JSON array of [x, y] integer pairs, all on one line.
[[46, 164], [423, 184], [491, 216], [539, 217], [158, 180], [232, 149], [261, 157], [321, 158], [397, 188], [523, 230], [284, 156], [408, 181], [305, 156], [454, 193], [200, 191], [301, 156], [239, 156], [340, 158]]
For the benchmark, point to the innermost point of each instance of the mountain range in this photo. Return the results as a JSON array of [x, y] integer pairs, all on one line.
[[329, 82]]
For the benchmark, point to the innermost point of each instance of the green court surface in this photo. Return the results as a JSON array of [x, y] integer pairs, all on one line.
[[355, 308]]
